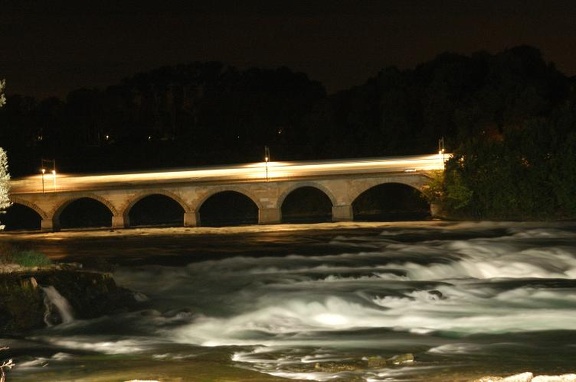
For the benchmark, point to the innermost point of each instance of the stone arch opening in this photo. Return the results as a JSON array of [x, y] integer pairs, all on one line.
[[307, 204], [228, 208], [390, 202], [156, 210], [85, 212], [21, 217]]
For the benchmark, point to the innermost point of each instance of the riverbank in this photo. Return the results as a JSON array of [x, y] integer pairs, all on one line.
[[145, 231], [135, 246], [198, 243], [34, 298]]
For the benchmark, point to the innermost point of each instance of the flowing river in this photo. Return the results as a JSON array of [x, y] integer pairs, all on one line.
[[410, 301]]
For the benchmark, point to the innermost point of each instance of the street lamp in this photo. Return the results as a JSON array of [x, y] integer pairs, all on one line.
[[266, 159], [441, 145], [43, 171], [441, 149], [47, 163]]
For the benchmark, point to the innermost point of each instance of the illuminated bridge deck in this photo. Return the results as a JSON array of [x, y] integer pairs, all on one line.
[[266, 184]]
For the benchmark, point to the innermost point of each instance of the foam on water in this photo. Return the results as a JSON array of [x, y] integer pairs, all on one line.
[[467, 291], [62, 305]]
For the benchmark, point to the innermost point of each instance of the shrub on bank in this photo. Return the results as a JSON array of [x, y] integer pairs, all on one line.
[[31, 259], [25, 258]]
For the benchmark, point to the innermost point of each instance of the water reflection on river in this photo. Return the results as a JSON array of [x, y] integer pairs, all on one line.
[[319, 302]]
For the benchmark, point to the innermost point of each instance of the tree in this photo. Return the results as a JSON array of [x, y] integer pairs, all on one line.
[[4, 203], [2, 96], [5, 365], [4, 175]]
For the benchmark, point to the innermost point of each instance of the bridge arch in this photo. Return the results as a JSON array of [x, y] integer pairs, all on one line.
[[166, 198], [23, 215], [198, 202], [306, 203], [33, 206], [390, 201], [321, 187], [143, 194], [60, 209], [412, 181], [226, 207]]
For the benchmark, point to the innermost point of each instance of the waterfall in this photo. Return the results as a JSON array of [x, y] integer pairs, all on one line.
[[58, 309]]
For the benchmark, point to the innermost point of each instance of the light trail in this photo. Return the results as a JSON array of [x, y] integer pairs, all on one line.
[[252, 172]]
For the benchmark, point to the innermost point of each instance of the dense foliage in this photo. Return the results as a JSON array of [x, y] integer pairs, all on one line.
[[4, 174], [2, 95], [4, 182], [514, 153], [527, 174]]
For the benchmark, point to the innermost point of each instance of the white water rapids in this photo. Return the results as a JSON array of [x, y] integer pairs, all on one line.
[[55, 301], [464, 299]]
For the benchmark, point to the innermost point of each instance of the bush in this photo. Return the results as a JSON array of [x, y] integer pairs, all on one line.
[[12, 254], [30, 259], [6, 252]]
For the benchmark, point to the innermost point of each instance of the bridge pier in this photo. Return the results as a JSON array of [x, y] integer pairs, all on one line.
[[191, 219], [118, 222], [46, 225], [269, 216], [342, 213]]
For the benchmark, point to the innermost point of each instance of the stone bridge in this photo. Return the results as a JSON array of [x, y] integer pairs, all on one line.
[[267, 185]]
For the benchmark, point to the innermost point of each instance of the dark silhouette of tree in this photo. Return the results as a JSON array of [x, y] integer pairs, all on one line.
[[490, 108]]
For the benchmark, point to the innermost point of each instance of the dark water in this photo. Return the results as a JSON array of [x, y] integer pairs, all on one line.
[[329, 302]]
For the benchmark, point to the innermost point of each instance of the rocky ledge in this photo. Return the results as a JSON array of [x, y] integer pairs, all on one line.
[[32, 298]]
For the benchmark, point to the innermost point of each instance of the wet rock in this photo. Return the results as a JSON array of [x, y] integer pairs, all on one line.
[[371, 362], [376, 362], [90, 294], [401, 359], [338, 367], [21, 304]]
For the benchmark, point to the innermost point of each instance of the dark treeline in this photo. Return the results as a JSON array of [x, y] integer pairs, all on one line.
[[187, 115], [512, 112]]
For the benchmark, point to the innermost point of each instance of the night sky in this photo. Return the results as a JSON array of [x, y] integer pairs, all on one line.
[[49, 47]]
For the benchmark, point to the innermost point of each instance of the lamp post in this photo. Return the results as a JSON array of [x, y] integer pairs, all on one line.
[[441, 149], [266, 159], [43, 170], [44, 164]]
